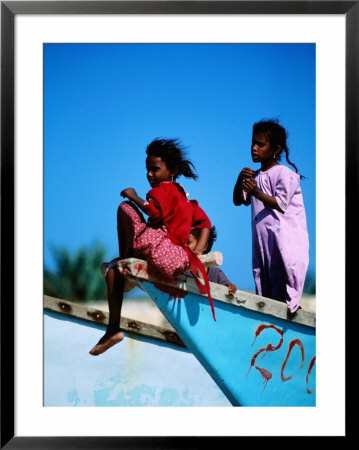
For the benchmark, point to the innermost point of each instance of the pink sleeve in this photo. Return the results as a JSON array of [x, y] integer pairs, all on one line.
[[199, 218], [157, 206], [285, 188]]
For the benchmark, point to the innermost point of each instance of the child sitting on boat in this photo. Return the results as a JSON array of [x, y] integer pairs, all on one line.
[[215, 274], [161, 241]]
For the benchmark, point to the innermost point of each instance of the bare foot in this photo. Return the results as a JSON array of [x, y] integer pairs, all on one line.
[[107, 341]]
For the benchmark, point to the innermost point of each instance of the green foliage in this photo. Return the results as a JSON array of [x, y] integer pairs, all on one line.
[[77, 275]]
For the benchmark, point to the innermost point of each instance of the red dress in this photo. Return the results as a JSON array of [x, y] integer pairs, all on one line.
[[162, 240]]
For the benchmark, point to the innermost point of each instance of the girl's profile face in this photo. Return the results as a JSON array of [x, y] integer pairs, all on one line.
[[261, 148], [157, 170]]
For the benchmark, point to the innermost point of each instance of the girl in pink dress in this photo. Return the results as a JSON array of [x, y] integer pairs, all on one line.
[[280, 242], [161, 241]]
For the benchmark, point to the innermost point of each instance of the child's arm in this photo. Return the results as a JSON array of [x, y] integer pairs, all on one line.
[[131, 194], [217, 275], [202, 241], [238, 198], [250, 186]]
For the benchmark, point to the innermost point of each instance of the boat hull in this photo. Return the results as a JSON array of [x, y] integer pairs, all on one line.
[[256, 359]]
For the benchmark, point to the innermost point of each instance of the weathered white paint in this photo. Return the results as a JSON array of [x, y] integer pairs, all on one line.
[[139, 371]]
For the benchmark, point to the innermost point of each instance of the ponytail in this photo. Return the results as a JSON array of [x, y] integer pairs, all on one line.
[[286, 149]]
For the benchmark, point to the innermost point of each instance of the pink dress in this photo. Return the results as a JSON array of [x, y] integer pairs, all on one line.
[[280, 240]]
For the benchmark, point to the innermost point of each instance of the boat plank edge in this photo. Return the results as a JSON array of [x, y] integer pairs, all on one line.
[[241, 299], [99, 316]]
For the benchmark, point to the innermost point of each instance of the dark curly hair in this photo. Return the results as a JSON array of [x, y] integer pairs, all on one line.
[[277, 136], [211, 239], [174, 155]]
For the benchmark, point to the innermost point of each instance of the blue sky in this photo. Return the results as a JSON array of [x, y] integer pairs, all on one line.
[[103, 103]]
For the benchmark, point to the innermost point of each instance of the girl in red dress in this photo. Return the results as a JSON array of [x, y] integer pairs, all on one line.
[[161, 241]]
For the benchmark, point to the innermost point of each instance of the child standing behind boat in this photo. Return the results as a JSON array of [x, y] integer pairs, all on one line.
[[215, 274], [162, 240], [280, 254]]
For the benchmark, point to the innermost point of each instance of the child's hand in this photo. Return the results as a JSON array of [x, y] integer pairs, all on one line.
[[238, 192], [232, 288], [130, 193], [246, 173], [199, 249], [249, 185]]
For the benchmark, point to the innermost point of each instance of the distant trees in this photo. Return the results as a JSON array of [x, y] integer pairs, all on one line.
[[77, 275]]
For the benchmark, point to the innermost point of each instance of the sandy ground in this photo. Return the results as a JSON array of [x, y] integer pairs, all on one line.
[[145, 310], [308, 303]]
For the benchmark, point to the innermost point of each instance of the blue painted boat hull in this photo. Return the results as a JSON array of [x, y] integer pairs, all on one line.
[[256, 359]]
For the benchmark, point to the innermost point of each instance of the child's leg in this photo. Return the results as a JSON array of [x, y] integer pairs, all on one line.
[[113, 333], [129, 222]]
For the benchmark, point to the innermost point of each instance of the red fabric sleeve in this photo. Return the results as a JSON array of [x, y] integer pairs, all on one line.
[[158, 204], [199, 217]]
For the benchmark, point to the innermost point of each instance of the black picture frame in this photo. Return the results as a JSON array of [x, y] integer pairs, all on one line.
[[9, 9]]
